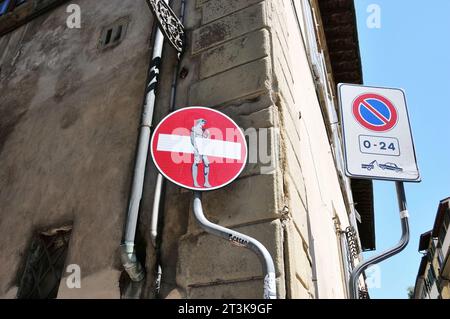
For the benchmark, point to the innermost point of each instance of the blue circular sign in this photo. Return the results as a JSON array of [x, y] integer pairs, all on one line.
[[375, 112]]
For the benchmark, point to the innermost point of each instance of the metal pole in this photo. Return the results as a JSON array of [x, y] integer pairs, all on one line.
[[160, 179], [239, 239], [160, 182], [404, 215]]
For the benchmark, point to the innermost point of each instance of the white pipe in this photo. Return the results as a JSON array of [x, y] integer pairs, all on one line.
[[128, 254], [155, 213], [270, 289], [160, 179]]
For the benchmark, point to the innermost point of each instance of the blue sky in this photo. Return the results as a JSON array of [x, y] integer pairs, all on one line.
[[411, 50]]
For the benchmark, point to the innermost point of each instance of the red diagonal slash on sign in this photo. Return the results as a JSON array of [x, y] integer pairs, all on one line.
[[388, 123]]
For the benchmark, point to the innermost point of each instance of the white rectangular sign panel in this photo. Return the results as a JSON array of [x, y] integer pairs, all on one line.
[[378, 142]]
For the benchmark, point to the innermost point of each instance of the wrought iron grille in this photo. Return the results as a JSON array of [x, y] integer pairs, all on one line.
[[352, 242], [169, 23], [44, 265], [363, 294]]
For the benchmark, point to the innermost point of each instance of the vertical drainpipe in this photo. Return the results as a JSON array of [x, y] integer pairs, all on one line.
[[160, 185], [128, 254], [160, 180]]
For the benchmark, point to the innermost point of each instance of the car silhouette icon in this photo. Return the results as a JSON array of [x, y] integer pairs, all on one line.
[[391, 167]]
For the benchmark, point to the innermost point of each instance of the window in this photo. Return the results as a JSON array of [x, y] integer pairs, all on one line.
[[444, 228], [431, 278], [44, 265], [442, 234], [432, 250], [113, 34], [440, 258], [447, 218]]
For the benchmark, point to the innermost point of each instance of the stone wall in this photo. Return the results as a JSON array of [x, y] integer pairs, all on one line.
[[69, 126], [69, 118], [248, 60]]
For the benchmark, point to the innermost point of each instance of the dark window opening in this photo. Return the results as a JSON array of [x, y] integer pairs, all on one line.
[[431, 251], [108, 36], [44, 265], [431, 278], [118, 33], [440, 259], [447, 218], [113, 34], [442, 234]]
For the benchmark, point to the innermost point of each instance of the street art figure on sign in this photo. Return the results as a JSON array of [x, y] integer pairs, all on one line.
[[198, 132], [190, 142]]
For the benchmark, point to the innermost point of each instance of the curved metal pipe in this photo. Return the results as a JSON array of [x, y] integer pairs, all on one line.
[[354, 290], [241, 240]]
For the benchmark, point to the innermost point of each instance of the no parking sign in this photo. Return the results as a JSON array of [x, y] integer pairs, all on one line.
[[378, 141], [375, 112]]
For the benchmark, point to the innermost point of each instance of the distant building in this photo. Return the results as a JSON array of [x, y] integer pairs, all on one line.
[[433, 279]]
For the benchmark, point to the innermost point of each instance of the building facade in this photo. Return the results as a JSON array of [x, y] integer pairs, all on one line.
[[70, 109], [433, 278]]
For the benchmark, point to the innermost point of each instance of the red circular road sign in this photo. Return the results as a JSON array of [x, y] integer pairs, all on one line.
[[199, 148], [375, 112]]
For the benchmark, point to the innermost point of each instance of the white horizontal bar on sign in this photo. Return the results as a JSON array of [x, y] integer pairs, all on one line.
[[208, 147]]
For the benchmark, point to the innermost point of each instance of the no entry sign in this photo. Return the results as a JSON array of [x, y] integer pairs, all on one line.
[[377, 134], [199, 148]]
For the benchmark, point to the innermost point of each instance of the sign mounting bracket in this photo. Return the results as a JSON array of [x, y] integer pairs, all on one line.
[[169, 24], [404, 216], [241, 240]]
